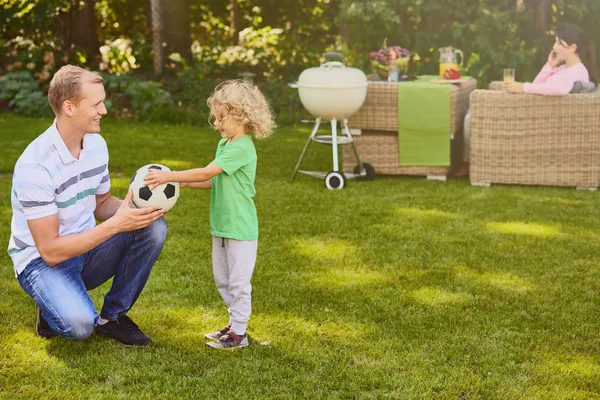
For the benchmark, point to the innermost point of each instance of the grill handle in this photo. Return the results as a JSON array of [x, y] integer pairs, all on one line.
[[333, 54]]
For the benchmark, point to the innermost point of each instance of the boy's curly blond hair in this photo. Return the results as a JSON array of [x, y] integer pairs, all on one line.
[[246, 104]]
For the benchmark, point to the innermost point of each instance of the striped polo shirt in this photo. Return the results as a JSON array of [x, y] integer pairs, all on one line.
[[48, 180]]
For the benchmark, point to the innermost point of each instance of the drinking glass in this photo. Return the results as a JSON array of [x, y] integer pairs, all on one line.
[[509, 75]]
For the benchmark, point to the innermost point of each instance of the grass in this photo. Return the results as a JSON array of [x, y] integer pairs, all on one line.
[[396, 288]]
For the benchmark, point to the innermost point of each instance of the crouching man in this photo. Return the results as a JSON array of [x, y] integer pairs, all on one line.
[[61, 186]]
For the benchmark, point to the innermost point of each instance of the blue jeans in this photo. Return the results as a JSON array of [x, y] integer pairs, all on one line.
[[61, 291]]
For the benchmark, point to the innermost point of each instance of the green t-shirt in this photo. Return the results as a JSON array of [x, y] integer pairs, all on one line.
[[232, 210]]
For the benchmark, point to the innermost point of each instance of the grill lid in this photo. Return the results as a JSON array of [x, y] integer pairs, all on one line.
[[332, 75]]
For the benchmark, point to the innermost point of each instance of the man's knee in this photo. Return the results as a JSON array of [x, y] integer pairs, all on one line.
[[158, 230], [77, 327]]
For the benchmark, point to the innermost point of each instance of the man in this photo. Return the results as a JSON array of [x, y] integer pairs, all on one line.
[[61, 186]]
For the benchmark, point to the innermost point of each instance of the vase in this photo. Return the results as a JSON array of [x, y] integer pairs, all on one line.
[[391, 71]]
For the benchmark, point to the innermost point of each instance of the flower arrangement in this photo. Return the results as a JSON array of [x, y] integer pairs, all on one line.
[[392, 59]]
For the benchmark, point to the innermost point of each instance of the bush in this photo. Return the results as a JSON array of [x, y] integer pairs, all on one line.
[[14, 83], [129, 96], [21, 92], [147, 95], [33, 104]]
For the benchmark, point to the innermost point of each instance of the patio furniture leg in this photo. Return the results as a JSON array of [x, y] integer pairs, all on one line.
[[481, 184], [436, 178]]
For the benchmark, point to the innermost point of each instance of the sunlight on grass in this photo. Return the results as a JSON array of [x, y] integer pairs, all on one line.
[[324, 249], [434, 297], [418, 212], [27, 350], [186, 326], [523, 228], [349, 278], [500, 280], [175, 164], [267, 326], [568, 365]]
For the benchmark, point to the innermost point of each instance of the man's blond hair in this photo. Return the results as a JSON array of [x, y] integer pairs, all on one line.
[[66, 85]]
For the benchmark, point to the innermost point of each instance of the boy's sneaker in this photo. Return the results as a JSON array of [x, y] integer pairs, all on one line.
[[42, 327], [124, 331], [229, 341], [216, 335]]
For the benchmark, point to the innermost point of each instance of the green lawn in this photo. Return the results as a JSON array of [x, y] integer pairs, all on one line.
[[397, 288]]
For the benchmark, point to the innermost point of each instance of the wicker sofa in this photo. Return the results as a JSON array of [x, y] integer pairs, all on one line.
[[528, 139]]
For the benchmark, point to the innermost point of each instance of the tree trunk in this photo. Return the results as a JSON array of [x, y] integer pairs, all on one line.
[[157, 36], [234, 22], [85, 33], [177, 29], [78, 28], [541, 29]]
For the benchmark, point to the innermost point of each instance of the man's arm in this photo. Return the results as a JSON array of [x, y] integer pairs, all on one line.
[[106, 206], [55, 249]]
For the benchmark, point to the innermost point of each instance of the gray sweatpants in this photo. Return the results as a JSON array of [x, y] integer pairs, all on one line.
[[233, 263]]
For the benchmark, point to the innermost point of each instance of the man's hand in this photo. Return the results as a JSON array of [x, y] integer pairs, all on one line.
[[128, 218], [155, 177], [513, 87]]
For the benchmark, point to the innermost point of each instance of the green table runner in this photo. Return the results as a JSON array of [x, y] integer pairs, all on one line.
[[424, 122]]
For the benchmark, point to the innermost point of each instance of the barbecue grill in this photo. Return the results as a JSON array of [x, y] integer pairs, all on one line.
[[333, 92]]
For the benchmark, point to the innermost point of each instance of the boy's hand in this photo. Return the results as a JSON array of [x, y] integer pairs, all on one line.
[[155, 177]]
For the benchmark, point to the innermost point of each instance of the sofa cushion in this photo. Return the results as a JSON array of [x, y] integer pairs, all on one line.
[[583, 87]]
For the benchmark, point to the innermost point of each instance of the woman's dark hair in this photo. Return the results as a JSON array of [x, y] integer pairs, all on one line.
[[572, 34]]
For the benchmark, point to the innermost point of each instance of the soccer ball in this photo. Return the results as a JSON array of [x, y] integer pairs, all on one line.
[[164, 196]]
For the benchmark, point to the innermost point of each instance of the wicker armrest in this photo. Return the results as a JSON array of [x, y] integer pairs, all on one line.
[[527, 113], [535, 140], [496, 85]]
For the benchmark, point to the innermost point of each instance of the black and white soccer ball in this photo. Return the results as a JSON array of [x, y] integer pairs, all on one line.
[[164, 196]]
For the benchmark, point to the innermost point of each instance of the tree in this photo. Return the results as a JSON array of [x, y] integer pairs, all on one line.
[[80, 30], [234, 21], [157, 36], [176, 28]]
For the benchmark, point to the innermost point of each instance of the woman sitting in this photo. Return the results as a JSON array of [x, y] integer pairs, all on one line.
[[572, 48], [574, 51]]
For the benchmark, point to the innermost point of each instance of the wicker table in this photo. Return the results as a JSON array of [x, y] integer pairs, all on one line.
[[378, 121]]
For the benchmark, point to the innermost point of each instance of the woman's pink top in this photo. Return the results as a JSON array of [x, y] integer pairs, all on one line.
[[557, 81]]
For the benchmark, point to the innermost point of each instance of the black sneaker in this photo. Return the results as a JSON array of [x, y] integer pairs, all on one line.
[[42, 328], [124, 331]]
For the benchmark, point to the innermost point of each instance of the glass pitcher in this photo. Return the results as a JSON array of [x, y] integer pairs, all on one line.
[[448, 59]]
